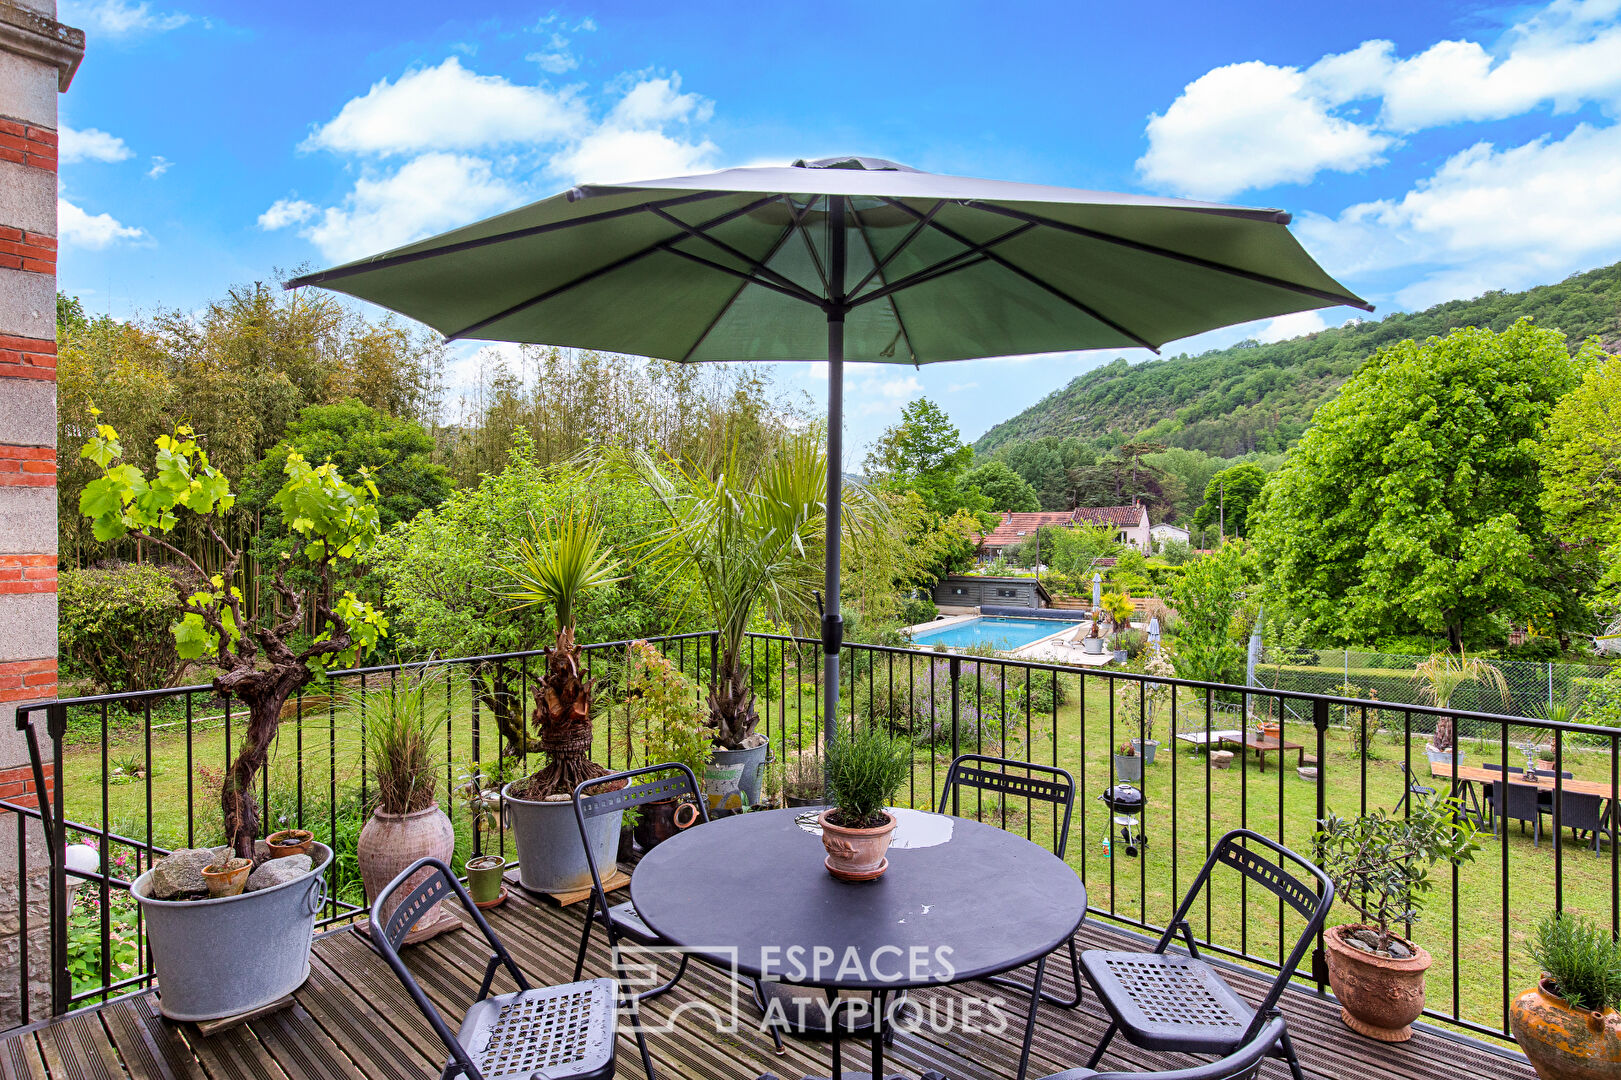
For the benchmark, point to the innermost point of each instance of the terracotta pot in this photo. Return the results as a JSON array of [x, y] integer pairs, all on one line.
[[1271, 731], [663, 819], [1564, 1043], [391, 842], [856, 854], [1379, 997], [229, 881], [289, 842]]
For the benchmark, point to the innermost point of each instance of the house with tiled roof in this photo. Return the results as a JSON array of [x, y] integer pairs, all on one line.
[[1130, 524]]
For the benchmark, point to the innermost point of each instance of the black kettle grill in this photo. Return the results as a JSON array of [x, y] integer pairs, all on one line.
[[1126, 805]]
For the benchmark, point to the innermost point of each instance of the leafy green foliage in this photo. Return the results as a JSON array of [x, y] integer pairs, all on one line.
[[667, 706], [1260, 397], [1581, 483], [1006, 489], [403, 719], [1210, 601], [866, 766], [925, 453], [1412, 503], [1582, 959], [1380, 863], [1227, 499], [113, 626], [560, 563]]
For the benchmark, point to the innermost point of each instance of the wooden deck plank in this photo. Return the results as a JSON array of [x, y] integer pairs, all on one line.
[[20, 1060], [77, 1048], [173, 1051], [375, 1046], [137, 1048], [301, 1048]]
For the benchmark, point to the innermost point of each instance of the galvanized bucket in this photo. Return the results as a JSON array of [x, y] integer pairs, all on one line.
[[547, 836], [732, 779], [233, 954]]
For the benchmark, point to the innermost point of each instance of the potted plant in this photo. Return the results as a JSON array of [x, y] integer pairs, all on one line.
[[484, 872], [1567, 1024], [406, 823], [556, 567], [289, 842], [802, 780], [1120, 609], [751, 537], [227, 875], [865, 768], [1128, 767], [266, 928], [1380, 866], [1137, 703], [1439, 679], [1092, 643], [677, 733]]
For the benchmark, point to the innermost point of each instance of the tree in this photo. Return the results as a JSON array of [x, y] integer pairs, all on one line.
[[1227, 499], [925, 452], [1210, 601], [1006, 489], [1045, 464], [338, 522], [1581, 468], [1411, 505]]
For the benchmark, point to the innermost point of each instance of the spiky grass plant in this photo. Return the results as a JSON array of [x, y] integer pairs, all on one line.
[[402, 721], [1581, 958], [865, 768]]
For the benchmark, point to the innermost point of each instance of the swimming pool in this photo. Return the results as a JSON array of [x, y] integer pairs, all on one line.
[[999, 633]]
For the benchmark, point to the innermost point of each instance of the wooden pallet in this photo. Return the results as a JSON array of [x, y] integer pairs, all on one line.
[[205, 1028], [615, 881]]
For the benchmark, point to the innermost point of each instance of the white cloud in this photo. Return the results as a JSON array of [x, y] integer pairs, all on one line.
[[89, 144], [632, 143], [117, 18], [1296, 324], [554, 63], [77, 228], [448, 108], [1487, 218], [160, 165], [285, 212], [1252, 125], [426, 194], [959, 387]]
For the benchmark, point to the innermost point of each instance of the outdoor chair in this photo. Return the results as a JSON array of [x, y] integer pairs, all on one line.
[[556, 1031], [1170, 1001], [1488, 791], [1545, 798], [984, 773], [1581, 813], [1411, 787], [1517, 802], [1243, 1064], [620, 921]]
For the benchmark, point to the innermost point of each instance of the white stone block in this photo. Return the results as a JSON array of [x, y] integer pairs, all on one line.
[[28, 524], [27, 412], [28, 90], [28, 199], [27, 301], [30, 622]]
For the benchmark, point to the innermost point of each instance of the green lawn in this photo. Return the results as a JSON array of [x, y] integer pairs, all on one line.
[[1190, 804]]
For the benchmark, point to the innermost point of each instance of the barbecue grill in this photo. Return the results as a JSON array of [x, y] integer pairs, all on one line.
[[1126, 805]]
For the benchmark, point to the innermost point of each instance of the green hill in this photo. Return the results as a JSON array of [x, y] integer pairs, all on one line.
[[1255, 397]]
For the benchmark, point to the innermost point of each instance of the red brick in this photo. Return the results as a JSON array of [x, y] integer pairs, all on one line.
[[11, 127], [44, 135], [29, 667], [28, 344], [40, 240]]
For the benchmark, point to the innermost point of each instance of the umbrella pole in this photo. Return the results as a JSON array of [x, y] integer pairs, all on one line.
[[832, 623]]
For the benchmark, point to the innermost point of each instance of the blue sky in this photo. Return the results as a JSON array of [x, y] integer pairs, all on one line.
[[1429, 150]]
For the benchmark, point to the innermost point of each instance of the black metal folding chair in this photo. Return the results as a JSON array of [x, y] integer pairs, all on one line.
[[556, 1031], [1412, 787], [1242, 1064], [620, 921], [1169, 1001], [985, 773]]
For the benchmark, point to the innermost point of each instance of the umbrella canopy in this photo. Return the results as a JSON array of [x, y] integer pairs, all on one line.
[[845, 259]]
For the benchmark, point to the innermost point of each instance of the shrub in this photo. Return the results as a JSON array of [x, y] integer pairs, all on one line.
[[1582, 960], [113, 625], [917, 609], [1534, 650]]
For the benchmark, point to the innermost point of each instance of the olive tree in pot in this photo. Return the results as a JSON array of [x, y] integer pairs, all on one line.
[[865, 768], [406, 823], [556, 566], [666, 703], [752, 540], [1380, 865], [1568, 1024], [265, 929]]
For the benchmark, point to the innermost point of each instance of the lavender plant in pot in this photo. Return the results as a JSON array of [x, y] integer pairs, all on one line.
[[865, 768], [1380, 866]]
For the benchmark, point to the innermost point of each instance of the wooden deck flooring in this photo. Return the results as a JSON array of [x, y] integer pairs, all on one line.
[[352, 1020]]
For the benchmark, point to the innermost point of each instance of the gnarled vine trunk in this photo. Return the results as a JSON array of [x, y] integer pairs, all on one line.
[[264, 693]]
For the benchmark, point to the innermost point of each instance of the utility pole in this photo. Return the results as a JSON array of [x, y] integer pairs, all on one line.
[[1221, 487]]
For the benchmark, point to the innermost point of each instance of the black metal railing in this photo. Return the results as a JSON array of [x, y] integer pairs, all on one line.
[[135, 777]]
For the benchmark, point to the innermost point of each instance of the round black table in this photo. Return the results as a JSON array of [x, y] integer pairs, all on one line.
[[960, 901]]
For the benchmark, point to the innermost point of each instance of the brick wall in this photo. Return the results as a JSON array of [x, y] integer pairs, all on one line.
[[17, 785]]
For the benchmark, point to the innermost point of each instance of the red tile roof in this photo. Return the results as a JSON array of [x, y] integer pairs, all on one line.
[[1015, 527]]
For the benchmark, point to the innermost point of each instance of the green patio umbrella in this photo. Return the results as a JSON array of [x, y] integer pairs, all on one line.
[[845, 259]]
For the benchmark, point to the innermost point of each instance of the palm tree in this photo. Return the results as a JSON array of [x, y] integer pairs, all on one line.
[[1440, 677], [557, 568], [751, 542]]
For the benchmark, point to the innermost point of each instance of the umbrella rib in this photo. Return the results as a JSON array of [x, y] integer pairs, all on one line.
[[795, 293], [662, 245], [810, 247], [732, 300], [1179, 256], [757, 266], [388, 261], [973, 256], [878, 265], [1081, 306], [861, 227]]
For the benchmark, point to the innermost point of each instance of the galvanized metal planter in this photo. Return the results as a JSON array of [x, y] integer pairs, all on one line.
[[732, 780], [550, 856], [231, 955]]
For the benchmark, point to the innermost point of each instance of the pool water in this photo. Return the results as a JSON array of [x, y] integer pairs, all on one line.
[[998, 633]]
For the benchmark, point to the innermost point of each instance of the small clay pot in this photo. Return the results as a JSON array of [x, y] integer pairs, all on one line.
[[228, 880], [663, 819], [1380, 996], [856, 854], [1564, 1043], [289, 842]]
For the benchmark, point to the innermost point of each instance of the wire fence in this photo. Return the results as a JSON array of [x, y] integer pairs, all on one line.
[[1389, 678]]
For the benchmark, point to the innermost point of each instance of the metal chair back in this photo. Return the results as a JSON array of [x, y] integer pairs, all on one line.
[[985, 773], [1242, 1064], [1266, 863], [673, 781], [439, 885]]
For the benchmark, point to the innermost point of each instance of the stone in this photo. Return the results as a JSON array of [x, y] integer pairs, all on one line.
[[279, 872], [28, 412], [30, 619], [29, 196], [1308, 772], [29, 89], [1366, 940], [1398, 951], [27, 522], [1221, 759], [180, 873], [1357, 943]]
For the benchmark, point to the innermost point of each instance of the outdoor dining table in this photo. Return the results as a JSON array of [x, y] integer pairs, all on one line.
[[961, 900], [1474, 774]]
